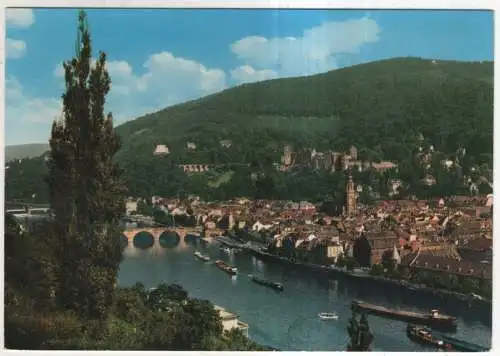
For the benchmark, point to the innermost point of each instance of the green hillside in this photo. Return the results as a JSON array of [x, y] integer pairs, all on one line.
[[381, 107], [25, 151]]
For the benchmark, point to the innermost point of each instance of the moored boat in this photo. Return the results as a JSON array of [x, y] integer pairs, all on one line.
[[201, 256], [226, 267], [226, 250], [460, 345], [328, 316], [275, 285], [424, 335], [433, 318]]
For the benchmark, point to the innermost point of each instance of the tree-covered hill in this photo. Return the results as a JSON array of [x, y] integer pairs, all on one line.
[[25, 151], [381, 106]]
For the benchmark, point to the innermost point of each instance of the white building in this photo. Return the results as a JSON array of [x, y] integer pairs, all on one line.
[[161, 150], [230, 320], [130, 206], [260, 226]]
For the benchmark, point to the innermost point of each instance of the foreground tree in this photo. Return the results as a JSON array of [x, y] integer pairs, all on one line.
[[86, 188]]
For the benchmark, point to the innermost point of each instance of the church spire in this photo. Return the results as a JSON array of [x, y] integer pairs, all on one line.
[[351, 196]]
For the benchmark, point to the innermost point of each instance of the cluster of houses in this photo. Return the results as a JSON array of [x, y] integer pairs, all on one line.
[[453, 236]]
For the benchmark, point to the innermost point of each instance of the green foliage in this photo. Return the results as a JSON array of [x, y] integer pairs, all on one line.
[[377, 270], [16, 152], [381, 107], [85, 187]]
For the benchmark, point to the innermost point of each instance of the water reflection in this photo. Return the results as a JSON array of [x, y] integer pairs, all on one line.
[[169, 239], [143, 240], [130, 251], [289, 320]]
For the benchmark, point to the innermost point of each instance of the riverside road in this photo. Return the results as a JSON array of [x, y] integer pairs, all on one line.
[[288, 321]]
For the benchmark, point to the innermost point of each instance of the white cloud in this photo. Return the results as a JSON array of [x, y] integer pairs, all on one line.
[[315, 51], [27, 118], [22, 107], [15, 48], [20, 18], [166, 80], [59, 71], [181, 77], [247, 74]]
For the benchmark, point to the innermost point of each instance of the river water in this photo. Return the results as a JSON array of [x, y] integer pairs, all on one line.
[[288, 321]]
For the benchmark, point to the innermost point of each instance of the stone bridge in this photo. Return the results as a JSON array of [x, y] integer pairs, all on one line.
[[171, 236]]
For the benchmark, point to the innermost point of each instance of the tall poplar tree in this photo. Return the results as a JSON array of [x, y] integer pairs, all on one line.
[[86, 186]]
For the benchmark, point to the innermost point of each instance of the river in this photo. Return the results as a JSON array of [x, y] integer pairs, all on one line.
[[288, 321]]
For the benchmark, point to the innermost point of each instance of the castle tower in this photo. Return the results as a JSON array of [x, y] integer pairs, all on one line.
[[351, 197], [353, 152]]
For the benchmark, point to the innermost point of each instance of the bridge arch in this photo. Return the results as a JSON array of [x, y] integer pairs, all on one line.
[[143, 239], [169, 239]]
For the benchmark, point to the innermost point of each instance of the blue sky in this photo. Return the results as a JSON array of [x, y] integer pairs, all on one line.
[[160, 57]]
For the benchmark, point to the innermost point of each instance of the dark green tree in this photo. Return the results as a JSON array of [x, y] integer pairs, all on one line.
[[85, 185]]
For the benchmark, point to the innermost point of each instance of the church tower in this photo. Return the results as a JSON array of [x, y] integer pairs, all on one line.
[[351, 197]]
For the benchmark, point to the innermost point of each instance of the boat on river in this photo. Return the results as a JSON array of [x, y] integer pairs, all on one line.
[[227, 250], [275, 285], [328, 316], [460, 345], [226, 267], [433, 318], [424, 335], [201, 256]]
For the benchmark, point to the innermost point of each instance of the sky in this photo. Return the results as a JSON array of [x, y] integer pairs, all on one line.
[[161, 57]]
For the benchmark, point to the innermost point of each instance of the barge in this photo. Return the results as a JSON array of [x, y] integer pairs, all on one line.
[[201, 256], [432, 319], [424, 335], [226, 267], [275, 285], [460, 345]]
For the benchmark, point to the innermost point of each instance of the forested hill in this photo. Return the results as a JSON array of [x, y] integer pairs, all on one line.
[[25, 151], [380, 107]]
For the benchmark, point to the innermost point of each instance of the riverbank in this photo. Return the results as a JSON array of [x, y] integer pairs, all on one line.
[[282, 320], [356, 273]]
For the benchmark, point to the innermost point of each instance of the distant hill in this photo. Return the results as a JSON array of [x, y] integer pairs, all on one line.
[[383, 108], [25, 151]]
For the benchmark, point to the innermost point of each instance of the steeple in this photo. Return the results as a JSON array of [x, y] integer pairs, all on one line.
[[351, 196]]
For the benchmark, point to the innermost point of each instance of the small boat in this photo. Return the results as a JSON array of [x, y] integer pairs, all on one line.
[[226, 250], [328, 316], [201, 256], [275, 285], [226, 267], [433, 319], [424, 335]]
